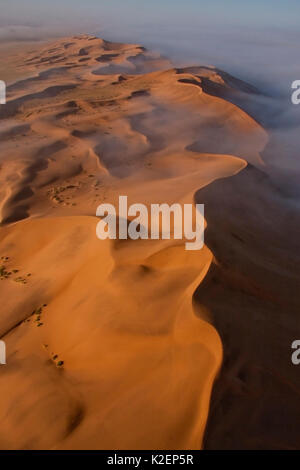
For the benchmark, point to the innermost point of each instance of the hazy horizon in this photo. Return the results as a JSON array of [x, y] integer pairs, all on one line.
[[255, 40]]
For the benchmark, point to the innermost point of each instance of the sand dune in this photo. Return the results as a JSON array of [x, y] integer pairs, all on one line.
[[108, 344]]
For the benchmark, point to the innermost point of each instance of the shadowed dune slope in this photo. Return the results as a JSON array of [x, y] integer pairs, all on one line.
[[252, 290]]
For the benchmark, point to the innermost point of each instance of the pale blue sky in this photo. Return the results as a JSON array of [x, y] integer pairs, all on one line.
[[268, 12]]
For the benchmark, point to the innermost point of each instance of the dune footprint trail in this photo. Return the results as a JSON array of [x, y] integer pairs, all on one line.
[[106, 348]]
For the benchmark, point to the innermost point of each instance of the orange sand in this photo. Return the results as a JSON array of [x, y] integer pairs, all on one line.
[[94, 120]]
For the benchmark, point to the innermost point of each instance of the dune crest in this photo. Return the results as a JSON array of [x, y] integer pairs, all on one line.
[[106, 348]]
